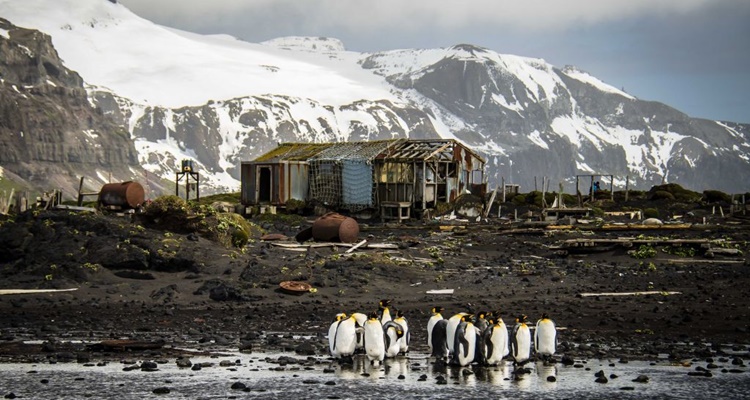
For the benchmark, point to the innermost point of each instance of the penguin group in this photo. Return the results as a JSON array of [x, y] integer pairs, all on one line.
[[484, 338], [379, 335]]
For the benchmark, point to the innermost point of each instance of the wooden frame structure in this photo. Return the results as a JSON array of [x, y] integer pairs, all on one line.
[[591, 187], [359, 175]]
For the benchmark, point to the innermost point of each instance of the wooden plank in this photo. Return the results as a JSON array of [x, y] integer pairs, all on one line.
[[693, 261], [440, 291], [356, 246], [34, 291], [627, 293]]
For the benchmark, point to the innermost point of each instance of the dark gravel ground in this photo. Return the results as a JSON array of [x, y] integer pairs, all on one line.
[[184, 291]]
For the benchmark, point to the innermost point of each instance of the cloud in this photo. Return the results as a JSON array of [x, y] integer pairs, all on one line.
[[370, 17]]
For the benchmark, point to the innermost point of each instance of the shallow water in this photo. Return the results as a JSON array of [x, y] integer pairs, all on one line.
[[397, 378]]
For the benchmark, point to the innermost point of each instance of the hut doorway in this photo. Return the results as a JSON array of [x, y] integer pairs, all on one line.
[[264, 185]]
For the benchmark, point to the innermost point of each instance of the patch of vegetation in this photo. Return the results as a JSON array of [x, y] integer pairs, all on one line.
[[676, 191], [294, 206], [716, 196], [650, 213], [680, 251], [287, 219], [225, 197], [644, 251]]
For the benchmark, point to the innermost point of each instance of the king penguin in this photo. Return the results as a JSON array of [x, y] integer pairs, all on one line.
[[495, 338], [332, 333], [464, 342], [393, 334], [520, 341], [406, 339], [360, 318], [385, 311], [436, 316], [439, 340], [450, 329], [345, 341], [374, 339], [545, 337]]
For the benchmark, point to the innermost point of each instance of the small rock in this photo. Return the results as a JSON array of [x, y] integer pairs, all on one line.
[[641, 379], [161, 390], [238, 386]]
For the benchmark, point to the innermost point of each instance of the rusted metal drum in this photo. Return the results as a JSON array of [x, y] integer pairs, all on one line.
[[334, 227], [125, 194]]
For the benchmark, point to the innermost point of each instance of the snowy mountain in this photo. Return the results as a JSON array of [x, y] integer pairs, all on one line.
[[219, 101]]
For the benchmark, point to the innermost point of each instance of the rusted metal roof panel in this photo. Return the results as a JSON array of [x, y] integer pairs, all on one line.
[[294, 152]]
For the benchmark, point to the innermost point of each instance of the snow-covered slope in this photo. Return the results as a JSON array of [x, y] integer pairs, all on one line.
[[112, 47], [220, 101]]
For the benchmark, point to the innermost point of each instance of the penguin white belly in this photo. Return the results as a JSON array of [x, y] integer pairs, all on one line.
[[430, 326], [450, 330], [521, 343], [392, 345], [374, 340], [545, 337], [499, 343], [466, 344], [346, 337], [386, 316]]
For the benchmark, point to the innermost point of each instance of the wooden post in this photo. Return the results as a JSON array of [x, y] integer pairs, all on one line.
[[612, 187], [560, 196], [80, 196], [503, 181], [578, 192], [544, 200], [627, 187], [535, 188]]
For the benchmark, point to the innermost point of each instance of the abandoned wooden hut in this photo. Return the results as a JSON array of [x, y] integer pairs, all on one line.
[[390, 176]]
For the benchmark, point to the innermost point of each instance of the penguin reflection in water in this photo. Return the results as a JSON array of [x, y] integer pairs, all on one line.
[[520, 341]]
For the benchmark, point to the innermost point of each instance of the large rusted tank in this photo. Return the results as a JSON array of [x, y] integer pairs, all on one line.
[[124, 195], [334, 227]]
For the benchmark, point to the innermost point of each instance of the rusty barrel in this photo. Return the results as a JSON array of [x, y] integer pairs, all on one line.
[[125, 194], [334, 227]]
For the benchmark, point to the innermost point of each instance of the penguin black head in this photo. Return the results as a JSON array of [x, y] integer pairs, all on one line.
[[522, 319], [492, 320], [399, 314], [384, 303], [482, 315], [545, 316], [467, 317], [437, 309], [340, 316], [373, 315]]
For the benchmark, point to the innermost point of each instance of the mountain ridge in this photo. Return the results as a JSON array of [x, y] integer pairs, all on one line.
[[529, 118]]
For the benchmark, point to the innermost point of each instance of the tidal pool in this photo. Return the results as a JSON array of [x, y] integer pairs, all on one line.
[[289, 376]]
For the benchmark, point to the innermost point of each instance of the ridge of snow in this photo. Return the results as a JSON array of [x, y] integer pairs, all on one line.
[[592, 81]]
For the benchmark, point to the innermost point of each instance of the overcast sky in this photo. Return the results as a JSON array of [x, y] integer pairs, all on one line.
[[693, 55]]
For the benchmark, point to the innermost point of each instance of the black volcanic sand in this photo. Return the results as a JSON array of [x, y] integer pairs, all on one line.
[[184, 291]]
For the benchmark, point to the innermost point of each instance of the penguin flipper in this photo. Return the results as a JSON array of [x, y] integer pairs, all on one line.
[[336, 335], [465, 344]]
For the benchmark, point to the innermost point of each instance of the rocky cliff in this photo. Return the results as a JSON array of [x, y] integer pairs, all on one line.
[[50, 134]]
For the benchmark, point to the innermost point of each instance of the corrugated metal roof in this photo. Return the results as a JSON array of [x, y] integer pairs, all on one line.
[[356, 150], [393, 149], [294, 152]]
